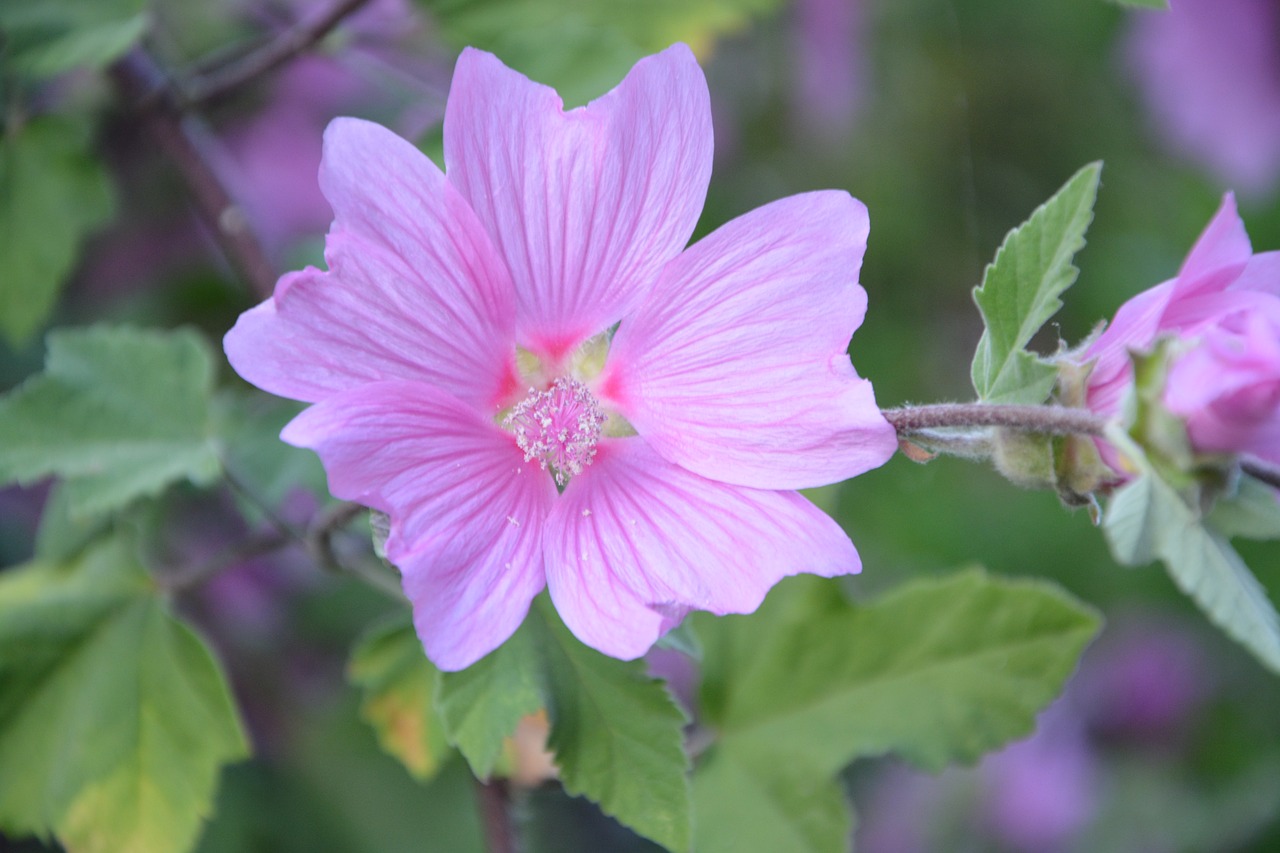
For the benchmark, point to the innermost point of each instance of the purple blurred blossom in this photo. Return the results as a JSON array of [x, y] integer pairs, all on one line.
[[273, 157], [1039, 792], [1145, 680], [1209, 71], [829, 65]]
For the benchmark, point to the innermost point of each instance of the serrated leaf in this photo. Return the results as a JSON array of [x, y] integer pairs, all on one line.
[[616, 733], [617, 736], [584, 47], [114, 717], [53, 193], [937, 672], [482, 704], [1020, 290], [119, 413], [1148, 519], [52, 36], [398, 684]]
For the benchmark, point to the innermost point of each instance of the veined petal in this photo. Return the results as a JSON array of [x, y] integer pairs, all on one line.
[[415, 288], [586, 206], [737, 367], [635, 542], [467, 512]]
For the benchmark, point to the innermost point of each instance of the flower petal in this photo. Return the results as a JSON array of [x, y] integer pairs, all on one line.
[[1134, 328], [635, 542], [415, 288], [1219, 254], [586, 206], [466, 512], [737, 366]]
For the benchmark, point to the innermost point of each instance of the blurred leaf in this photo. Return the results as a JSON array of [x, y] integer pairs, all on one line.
[[1020, 290], [53, 193], [584, 47], [1253, 512], [51, 36], [61, 535], [247, 425], [1148, 519], [1145, 4], [482, 704], [114, 717], [398, 682], [616, 732], [119, 412], [366, 800], [937, 672]]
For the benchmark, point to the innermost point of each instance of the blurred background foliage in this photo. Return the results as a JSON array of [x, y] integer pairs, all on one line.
[[951, 120]]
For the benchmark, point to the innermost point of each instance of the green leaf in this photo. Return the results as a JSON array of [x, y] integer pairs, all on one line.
[[61, 535], [1020, 290], [53, 193], [584, 47], [937, 672], [119, 412], [1148, 519], [247, 424], [617, 736], [53, 36], [398, 683], [616, 733], [114, 717], [482, 704], [1253, 512]]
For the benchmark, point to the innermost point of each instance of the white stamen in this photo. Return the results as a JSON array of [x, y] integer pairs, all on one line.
[[559, 427]]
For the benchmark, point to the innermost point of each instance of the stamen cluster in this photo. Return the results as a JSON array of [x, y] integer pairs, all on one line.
[[559, 427]]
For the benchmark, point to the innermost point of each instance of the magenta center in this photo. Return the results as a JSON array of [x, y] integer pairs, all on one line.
[[559, 427]]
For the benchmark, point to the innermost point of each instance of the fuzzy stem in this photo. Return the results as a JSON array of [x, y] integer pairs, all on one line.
[[1052, 420]]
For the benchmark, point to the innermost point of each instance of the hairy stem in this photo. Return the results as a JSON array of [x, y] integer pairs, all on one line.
[[1053, 420], [146, 88], [276, 52]]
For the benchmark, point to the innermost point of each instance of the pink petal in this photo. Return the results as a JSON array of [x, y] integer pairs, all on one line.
[[1218, 255], [1261, 274], [635, 542], [585, 206], [1134, 328], [415, 289], [737, 366], [467, 512]]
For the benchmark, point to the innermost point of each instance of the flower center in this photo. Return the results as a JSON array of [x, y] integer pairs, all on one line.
[[559, 427]]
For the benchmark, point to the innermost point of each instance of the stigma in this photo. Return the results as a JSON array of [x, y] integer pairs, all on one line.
[[558, 427]]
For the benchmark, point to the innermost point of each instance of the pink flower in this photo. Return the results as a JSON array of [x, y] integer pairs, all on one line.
[[1209, 71], [1224, 306], [533, 320]]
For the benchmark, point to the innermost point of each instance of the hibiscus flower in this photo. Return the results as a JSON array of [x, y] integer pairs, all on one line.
[[521, 363], [1223, 307]]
